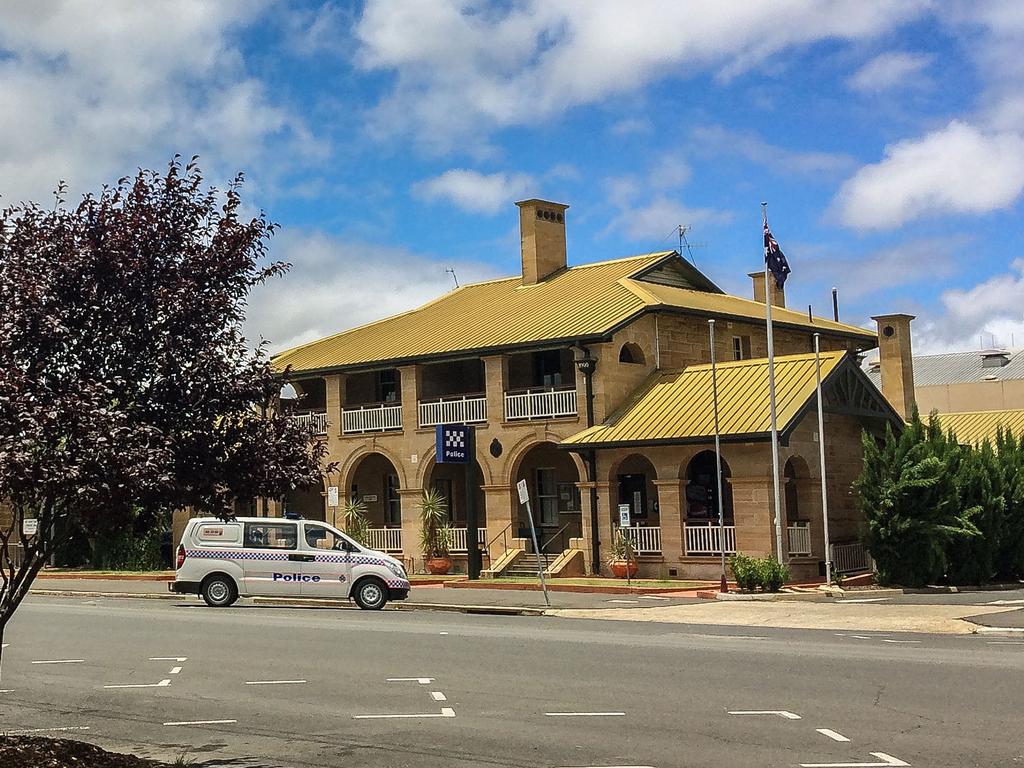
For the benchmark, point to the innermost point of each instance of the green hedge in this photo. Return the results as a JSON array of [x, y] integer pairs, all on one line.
[[753, 573]]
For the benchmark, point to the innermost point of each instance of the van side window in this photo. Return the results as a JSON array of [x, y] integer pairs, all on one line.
[[318, 537], [271, 535]]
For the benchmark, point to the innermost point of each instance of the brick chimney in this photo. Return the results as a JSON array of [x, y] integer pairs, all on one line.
[[778, 294], [542, 229], [896, 362]]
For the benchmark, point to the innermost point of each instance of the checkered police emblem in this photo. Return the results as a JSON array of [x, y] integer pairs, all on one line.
[[452, 443]]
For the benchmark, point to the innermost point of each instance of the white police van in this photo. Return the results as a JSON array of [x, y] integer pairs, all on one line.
[[276, 557]]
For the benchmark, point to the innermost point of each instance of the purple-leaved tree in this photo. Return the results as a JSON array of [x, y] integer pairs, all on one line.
[[126, 385]]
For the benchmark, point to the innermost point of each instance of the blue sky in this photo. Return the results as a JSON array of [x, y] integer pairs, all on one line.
[[390, 139]]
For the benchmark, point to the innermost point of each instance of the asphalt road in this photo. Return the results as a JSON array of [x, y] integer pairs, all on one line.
[[502, 691]]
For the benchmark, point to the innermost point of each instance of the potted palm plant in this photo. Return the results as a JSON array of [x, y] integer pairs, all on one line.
[[622, 559], [354, 521], [436, 534]]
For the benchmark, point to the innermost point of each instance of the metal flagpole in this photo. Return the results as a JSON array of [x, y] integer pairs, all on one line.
[[718, 455], [821, 453], [771, 397]]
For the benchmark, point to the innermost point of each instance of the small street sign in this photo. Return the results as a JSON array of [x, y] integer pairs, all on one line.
[[332, 496], [451, 441], [624, 515], [524, 492], [30, 526]]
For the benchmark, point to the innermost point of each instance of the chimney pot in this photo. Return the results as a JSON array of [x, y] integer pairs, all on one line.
[[778, 294], [896, 362], [542, 234]]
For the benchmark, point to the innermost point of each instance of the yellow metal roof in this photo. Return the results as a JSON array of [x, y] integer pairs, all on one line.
[[974, 426], [677, 406], [581, 302], [706, 303]]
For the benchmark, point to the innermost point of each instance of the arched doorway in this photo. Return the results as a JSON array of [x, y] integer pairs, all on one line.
[[449, 480], [702, 490], [633, 484], [551, 475], [799, 506], [374, 481]]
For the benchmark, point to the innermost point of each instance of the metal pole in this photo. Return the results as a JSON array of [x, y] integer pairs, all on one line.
[[821, 453], [835, 304], [724, 586], [771, 398], [472, 526], [540, 561]]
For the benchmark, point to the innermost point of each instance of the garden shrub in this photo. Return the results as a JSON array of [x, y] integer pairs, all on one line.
[[753, 573]]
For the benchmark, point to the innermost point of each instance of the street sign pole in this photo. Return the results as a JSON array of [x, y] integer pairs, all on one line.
[[472, 525], [524, 498]]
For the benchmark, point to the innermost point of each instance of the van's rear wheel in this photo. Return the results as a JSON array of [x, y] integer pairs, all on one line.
[[371, 594], [219, 591]]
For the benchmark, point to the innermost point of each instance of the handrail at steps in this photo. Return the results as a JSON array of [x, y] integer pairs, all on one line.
[[544, 546], [504, 542]]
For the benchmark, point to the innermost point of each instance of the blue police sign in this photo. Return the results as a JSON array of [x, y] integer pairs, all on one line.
[[452, 443]]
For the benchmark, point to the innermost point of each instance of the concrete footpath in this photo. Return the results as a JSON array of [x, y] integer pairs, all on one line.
[[963, 613]]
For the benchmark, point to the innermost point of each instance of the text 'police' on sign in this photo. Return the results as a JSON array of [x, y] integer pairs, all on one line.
[[452, 443]]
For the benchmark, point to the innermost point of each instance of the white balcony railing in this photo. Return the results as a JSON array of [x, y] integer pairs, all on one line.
[[850, 558], [540, 404], [645, 540], [385, 539], [469, 409], [459, 538], [371, 418], [315, 422], [799, 538], [705, 539]]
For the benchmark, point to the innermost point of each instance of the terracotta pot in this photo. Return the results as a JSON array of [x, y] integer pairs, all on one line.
[[439, 566], [619, 568]]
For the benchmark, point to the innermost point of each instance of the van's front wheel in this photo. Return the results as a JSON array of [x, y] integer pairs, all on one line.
[[219, 591], [370, 594]]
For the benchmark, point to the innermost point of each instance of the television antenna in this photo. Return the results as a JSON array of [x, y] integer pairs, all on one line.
[[451, 271], [684, 243]]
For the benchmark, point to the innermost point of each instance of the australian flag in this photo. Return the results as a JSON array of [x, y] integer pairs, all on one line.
[[775, 258]]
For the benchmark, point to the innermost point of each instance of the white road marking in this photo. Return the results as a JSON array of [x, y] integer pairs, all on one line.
[[1006, 602], [611, 766], [622, 601], [4, 646], [445, 712], [653, 597], [585, 714], [831, 734], [175, 670], [276, 682], [162, 684], [887, 760], [7, 690], [420, 680], [992, 630], [438, 696], [1005, 642], [61, 661], [442, 633], [886, 640], [168, 658], [202, 722], [728, 637], [779, 712], [865, 600], [44, 730]]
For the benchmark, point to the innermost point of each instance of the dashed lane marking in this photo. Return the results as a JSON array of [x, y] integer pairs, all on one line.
[[276, 682], [445, 712], [831, 734], [585, 714], [1005, 602], [886, 761], [622, 601], [420, 680], [60, 661], [442, 633], [905, 642], [202, 722], [45, 730], [175, 670], [438, 696], [779, 712], [168, 658], [726, 637], [162, 684], [864, 600], [653, 597]]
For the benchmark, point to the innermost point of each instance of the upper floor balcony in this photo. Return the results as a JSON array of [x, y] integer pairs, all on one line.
[[541, 385], [452, 393], [372, 402]]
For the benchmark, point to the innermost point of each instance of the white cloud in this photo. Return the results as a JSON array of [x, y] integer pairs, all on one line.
[[88, 95], [465, 67], [988, 313], [956, 169], [892, 70], [631, 126], [474, 191], [335, 285], [717, 139]]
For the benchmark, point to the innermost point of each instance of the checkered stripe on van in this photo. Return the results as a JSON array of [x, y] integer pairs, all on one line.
[[354, 560], [217, 554], [397, 583]]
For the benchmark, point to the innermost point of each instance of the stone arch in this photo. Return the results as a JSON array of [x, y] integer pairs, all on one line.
[[376, 480], [701, 489], [632, 481], [350, 464], [553, 476], [524, 445], [631, 354], [796, 475]]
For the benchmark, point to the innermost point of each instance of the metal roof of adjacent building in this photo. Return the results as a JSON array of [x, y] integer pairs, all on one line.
[[961, 368], [584, 303], [678, 407], [973, 427]]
